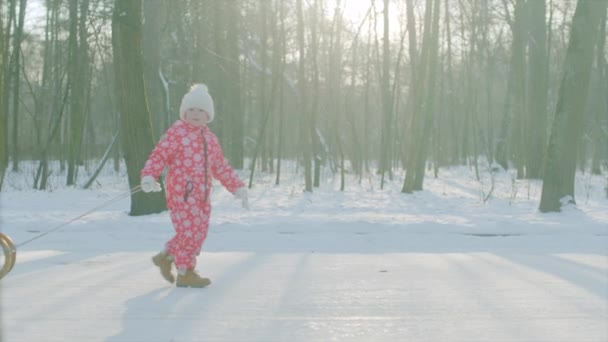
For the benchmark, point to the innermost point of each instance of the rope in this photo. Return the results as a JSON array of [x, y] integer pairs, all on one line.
[[113, 200]]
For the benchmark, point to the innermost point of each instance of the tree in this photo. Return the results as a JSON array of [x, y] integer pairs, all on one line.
[[234, 138], [537, 84], [225, 85], [561, 157], [600, 105], [50, 79], [155, 89], [335, 71], [306, 126], [279, 68], [263, 104], [13, 74], [387, 100], [135, 130], [77, 80], [314, 95], [426, 81], [510, 141], [309, 84], [3, 121]]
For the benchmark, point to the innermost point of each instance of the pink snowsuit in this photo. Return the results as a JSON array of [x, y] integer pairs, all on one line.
[[193, 155]]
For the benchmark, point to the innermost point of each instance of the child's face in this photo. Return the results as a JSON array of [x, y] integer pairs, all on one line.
[[196, 117]]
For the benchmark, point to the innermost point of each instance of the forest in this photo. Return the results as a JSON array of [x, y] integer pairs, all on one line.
[[394, 89]]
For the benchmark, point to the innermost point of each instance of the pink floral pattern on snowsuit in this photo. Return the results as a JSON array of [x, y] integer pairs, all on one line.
[[193, 155]]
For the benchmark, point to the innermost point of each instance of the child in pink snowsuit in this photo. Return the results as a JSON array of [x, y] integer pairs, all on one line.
[[194, 156]]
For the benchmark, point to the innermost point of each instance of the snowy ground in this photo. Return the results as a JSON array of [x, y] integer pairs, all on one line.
[[363, 265]]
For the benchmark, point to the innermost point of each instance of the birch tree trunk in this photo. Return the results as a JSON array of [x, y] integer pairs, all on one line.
[[560, 161]]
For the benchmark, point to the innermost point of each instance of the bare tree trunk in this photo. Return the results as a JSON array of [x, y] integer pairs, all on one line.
[[262, 85], [59, 87], [443, 129], [560, 161], [76, 120], [387, 102], [266, 104], [335, 133], [3, 121], [351, 109], [136, 135], [201, 18], [279, 66], [424, 109], [489, 63], [266, 101], [452, 120], [419, 73], [179, 52], [15, 70], [314, 52], [306, 126], [537, 82], [366, 99], [600, 139], [78, 56], [234, 107], [225, 80], [46, 97], [430, 102], [510, 139], [155, 91], [413, 91], [86, 72], [40, 182]]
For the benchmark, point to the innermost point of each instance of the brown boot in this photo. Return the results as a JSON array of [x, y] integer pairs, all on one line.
[[163, 261], [191, 279]]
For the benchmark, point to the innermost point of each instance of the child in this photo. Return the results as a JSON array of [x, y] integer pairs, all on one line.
[[193, 154]]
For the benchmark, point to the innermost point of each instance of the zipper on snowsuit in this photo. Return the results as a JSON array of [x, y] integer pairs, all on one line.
[[206, 195], [189, 184]]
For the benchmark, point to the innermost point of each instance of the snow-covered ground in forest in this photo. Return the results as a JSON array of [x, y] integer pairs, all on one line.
[[366, 264]]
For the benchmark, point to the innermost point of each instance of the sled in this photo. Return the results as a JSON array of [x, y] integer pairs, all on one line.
[[10, 254]]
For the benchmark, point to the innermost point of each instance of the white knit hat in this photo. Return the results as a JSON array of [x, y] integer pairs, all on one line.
[[197, 97]]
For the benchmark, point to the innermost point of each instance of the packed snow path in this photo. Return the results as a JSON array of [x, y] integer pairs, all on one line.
[[458, 292]]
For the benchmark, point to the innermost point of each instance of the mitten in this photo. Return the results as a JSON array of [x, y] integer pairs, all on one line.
[[148, 184]]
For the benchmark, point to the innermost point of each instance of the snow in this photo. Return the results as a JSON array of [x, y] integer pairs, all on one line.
[[367, 264]]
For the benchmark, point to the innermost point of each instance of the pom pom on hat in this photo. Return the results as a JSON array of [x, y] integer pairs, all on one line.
[[197, 97]]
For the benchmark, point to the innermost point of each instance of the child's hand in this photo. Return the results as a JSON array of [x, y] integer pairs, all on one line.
[[241, 193], [148, 184]]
